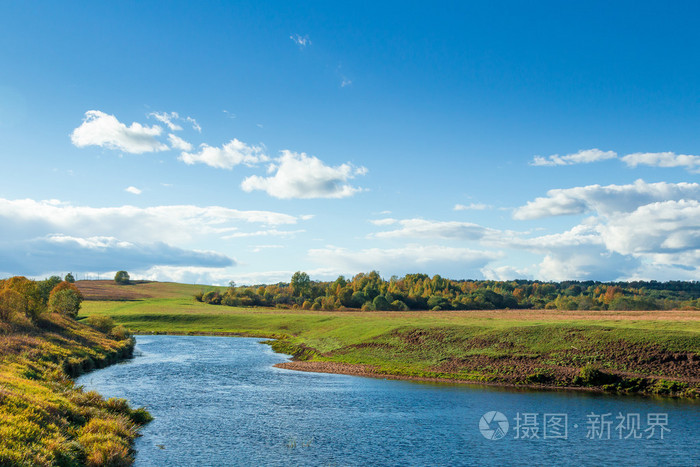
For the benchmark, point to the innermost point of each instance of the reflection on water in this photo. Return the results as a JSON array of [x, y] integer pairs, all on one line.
[[219, 401]]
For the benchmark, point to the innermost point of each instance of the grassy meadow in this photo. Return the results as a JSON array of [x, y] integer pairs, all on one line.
[[649, 352]]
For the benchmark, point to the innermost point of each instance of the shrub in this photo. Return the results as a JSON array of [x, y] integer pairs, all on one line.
[[120, 333], [590, 375], [101, 323], [212, 297], [380, 303], [65, 301]]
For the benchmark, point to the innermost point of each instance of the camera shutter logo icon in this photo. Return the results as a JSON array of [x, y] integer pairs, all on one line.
[[493, 425]]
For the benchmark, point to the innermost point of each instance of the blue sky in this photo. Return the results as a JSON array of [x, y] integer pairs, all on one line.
[[215, 141]]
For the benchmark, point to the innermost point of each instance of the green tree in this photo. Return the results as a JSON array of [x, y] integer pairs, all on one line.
[[301, 284], [69, 278], [122, 277]]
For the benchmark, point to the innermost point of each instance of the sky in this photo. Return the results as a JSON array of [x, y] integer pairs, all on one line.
[[205, 142]]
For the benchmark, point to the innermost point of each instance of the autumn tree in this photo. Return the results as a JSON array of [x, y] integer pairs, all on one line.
[[65, 299]]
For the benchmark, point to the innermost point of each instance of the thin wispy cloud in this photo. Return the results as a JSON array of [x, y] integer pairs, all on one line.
[[133, 190], [472, 207], [585, 156], [168, 119], [301, 41], [195, 125]]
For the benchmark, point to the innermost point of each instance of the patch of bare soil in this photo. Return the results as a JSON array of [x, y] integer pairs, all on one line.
[[108, 290]]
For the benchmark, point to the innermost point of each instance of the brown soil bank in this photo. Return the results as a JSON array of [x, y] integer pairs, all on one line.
[[585, 360]]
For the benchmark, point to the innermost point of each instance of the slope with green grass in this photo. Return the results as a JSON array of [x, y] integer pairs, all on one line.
[[44, 418], [651, 352]]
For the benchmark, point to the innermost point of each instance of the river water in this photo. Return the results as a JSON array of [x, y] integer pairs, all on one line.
[[220, 401]]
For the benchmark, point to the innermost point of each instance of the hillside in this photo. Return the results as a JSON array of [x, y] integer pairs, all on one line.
[[44, 418]]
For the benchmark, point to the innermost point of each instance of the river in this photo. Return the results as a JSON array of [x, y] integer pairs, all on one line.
[[220, 401]]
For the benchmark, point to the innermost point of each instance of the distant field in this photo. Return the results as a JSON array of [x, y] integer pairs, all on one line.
[[546, 347], [139, 290]]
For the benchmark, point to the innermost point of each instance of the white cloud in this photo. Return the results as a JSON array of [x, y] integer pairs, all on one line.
[[472, 206], [577, 254], [27, 218], [663, 159], [46, 236], [62, 252], [167, 119], [505, 273], [259, 248], [133, 190], [297, 175], [345, 82], [178, 143], [265, 233], [605, 200], [584, 156], [422, 228], [387, 221], [195, 125], [228, 156], [300, 41], [665, 228], [429, 259], [187, 275], [101, 129]]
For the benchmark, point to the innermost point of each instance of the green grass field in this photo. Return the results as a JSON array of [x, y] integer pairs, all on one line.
[[646, 351]]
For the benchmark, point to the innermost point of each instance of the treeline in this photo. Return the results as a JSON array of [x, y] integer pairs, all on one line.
[[369, 292], [22, 298]]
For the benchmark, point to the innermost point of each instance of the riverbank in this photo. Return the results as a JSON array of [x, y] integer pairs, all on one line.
[[45, 419], [641, 352]]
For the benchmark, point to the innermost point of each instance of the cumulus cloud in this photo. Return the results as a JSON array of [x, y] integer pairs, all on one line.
[[297, 175], [228, 156], [133, 190], [666, 228], [584, 156], [178, 143], [576, 254], [104, 130], [430, 259], [422, 228], [62, 252], [663, 159], [605, 200]]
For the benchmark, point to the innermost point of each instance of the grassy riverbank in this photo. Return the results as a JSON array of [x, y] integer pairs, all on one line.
[[44, 418], [648, 352]]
